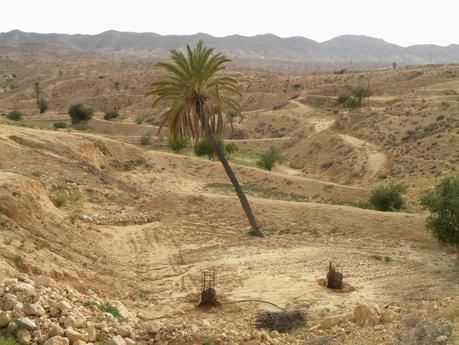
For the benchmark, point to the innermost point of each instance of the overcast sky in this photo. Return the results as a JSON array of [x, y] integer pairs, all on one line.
[[404, 22]]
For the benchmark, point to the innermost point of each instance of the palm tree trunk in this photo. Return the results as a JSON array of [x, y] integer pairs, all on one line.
[[237, 187]]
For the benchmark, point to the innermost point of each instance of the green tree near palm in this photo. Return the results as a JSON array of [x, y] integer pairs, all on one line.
[[195, 92]]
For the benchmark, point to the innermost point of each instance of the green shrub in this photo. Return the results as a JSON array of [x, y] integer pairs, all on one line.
[[42, 105], [139, 120], [145, 139], [111, 115], [388, 198], [80, 113], [343, 98], [204, 148], [230, 149], [105, 308], [269, 158], [15, 115], [178, 145], [443, 204], [60, 124]]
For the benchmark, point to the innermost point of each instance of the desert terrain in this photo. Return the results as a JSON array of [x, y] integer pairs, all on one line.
[[110, 219]]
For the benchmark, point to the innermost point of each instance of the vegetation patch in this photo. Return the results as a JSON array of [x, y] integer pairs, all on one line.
[[105, 308], [258, 191]]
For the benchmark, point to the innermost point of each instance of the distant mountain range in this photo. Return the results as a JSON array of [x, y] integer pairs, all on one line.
[[342, 49]]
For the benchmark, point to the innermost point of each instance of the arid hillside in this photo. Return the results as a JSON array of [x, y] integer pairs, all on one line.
[[109, 212]]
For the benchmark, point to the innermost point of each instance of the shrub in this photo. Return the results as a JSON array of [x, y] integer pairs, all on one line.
[[388, 198], [60, 124], [14, 115], [111, 115], [443, 204], [230, 149], [145, 139], [343, 98], [204, 148], [139, 120], [177, 145], [80, 113], [42, 105], [269, 158]]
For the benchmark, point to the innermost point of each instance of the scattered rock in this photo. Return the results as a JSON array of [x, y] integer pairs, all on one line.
[[34, 309], [57, 340], [117, 340], [25, 322], [23, 336], [5, 318]]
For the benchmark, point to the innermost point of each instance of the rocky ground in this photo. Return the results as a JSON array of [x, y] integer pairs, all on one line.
[[40, 311]]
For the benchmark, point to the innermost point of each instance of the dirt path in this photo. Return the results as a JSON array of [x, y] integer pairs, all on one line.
[[376, 159]]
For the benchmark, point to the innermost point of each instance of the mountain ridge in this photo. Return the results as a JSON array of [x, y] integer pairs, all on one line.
[[264, 46]]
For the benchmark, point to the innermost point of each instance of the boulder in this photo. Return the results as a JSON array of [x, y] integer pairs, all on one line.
[[9, 301], [365, 316], [79, 342], [63, 305], [332, 321], [25, 288], [57, 340], [92, 333]]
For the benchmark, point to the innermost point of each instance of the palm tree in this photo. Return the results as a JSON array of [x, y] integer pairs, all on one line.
[[196, 92]]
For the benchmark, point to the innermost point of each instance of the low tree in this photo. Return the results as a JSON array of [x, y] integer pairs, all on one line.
[[230, 149], [192, 87], [388, 198], [80, 113], [394, 65], [232, 115], [269, 158], [42, 105], [443, 204], [360, 93]]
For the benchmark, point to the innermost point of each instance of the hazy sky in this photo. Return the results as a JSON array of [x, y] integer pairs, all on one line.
[[403, 22]]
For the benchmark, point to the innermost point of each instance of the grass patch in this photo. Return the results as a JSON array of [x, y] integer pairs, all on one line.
[[80, 127], [5, 340], [248, 158], [36, 173], [258, 191], [63, 197], [381, 257], [105, 308]]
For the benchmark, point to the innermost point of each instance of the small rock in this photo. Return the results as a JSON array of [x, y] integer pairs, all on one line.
[[124, 331], [73, 335], [154, 327], [5, 318], [57, 340], [9, 301], [92, 333], [23, 336], [79, 342], [63, 305], [205, 323], [53, 311], [129, 341], [442, 339], [117, 340], [56, 330], [25, 322], [34, 309]]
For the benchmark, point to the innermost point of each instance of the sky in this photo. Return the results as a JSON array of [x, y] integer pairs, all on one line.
[[403, 22]]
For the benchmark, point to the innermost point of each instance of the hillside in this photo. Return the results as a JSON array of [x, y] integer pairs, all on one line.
[[104, 214]]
